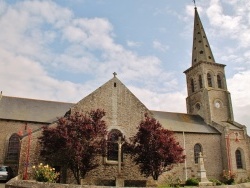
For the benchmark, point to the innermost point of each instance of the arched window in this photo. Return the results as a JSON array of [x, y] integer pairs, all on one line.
[[238, 158], [200, 81], [197, 151], [209, 80], [192, 85], [13, 148], [219, 81], [113, 137]]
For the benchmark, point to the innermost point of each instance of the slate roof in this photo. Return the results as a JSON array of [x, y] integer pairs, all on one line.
[[232, 125], [41, 111], [179, 122], [32, 110]]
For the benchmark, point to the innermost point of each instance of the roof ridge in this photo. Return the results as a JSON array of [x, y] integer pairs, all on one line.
[[174, 112], [33, 99]]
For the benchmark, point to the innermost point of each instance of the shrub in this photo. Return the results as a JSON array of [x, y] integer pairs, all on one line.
[[245, 180], [45, 173], [216, 182], [229, 177], [192, 181]]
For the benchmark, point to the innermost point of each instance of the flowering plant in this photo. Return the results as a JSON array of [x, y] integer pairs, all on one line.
[[229, 177], [45, 173]]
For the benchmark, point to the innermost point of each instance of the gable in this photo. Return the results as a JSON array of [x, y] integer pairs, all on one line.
[[124, 111]]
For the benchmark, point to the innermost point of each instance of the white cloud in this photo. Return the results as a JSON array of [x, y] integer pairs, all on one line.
[[234, 24], [48, 11], [239, 84], [93, 33], [130, 67], [171, 102], [39, 38], [159, 46], [28, 79], [133, 43], [217, 18]]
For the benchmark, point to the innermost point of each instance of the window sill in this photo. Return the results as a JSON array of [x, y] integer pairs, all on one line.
[[110, 162], [241, 170]]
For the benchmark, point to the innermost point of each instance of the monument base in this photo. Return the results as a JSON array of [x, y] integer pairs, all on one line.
[[119, 181], [205, 183], [151, 182]]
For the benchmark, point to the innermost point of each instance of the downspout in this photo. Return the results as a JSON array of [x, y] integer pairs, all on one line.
[[185, 161]]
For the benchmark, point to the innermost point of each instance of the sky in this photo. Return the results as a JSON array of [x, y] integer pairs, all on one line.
[[63, 50]]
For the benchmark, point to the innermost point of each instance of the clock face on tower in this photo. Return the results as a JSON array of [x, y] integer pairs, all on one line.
[[217, 104]]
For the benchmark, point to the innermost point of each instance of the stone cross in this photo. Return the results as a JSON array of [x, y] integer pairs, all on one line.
[[120, 143], [202, 175], [114, 74]]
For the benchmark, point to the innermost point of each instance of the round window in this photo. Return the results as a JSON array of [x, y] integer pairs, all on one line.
[[198, 106]]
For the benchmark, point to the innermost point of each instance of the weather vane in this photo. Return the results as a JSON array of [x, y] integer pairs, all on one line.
[[194, 3]]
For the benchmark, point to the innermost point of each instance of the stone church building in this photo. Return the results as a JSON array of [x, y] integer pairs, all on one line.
[[207, 127]]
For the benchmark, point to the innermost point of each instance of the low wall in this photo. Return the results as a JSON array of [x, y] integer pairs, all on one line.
[[15, 183], [33, 184]]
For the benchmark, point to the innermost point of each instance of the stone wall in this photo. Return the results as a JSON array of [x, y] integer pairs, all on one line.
[[212, 160], [124, 112], [34, 154], [8, 128], [108, 171], [207, 96], [242, 143]]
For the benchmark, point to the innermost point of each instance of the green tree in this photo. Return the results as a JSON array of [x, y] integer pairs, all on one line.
[[75, 142]]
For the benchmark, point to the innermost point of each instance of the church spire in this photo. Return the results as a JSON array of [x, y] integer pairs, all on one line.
[[201, 47]]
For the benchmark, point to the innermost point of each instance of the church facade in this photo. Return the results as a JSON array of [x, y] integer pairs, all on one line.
[[207, 127]]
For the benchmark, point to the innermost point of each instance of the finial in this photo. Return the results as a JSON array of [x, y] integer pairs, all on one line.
[[194, 4], [114, 74]]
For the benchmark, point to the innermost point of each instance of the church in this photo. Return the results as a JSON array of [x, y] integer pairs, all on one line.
[[208, 127]]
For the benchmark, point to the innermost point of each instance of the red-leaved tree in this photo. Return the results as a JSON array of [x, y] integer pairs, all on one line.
[[75, 142], [155, 149]]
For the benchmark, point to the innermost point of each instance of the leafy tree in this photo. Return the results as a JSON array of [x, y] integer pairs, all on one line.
[[75, 142], [155, 149]]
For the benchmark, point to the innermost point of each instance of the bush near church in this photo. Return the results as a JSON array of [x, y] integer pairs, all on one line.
[[45, 173]]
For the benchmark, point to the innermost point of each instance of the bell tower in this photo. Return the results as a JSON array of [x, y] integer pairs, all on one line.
[[206, 82]]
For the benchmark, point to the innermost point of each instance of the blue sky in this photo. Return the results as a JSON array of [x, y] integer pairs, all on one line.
[[63, 50]]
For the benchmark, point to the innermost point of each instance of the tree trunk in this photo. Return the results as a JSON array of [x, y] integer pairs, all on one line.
[[76, 175], [155, 175]]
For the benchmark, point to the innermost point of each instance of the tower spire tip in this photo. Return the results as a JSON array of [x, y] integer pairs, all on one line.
[[194, 4]]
